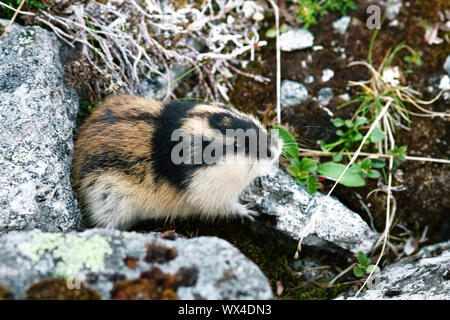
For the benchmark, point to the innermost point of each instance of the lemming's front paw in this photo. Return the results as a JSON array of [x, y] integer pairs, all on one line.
[[244, 212]]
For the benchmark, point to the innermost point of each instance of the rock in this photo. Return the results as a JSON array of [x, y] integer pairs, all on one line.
[[325, 95], [277, 194], [114, 264], [392, 8], [438, 83], [37, 119], [426, 276], [327, 74], [447, 65], [296, 39], [341, 25], [445, 83], [292, 93], [309, 79], [344, 97]]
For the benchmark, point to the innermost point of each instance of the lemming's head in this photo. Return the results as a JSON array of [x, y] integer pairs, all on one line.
[[217, 134]]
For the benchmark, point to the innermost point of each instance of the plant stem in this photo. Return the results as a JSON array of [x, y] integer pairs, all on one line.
[[310, 152], [13, 18], [277, 28]]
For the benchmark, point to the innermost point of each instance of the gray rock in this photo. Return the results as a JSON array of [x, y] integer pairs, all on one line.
[[327, 75], [309, 79], [37, 117], [341, 25], [325, 95], [279, 195], [292, 93], [296, 39], [445, 83], [447, 65], [422, 277], [436, 84], [392, 8], [209, 268]]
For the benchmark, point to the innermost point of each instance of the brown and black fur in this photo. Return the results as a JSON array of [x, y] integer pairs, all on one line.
[[122, 170]]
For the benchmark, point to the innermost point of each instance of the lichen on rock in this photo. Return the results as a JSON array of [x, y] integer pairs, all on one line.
[[38, 114], [71, 252]]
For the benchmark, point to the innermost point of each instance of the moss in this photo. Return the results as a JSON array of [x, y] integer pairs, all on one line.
[[71, 251], [5, 294], [316, 293], [159, 253], [57, 289], [131, 262], [153, 284], [270, 250]]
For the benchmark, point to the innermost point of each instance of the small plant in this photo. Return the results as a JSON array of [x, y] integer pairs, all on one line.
[[364, 266], [86, 108], [6, 13], [415, 58], [272, 32], [308, 172], [399, 155], [303, 171], [309, 10], [350, 135]]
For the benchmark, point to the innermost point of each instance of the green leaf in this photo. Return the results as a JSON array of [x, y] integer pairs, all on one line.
[[355, 168], [337, 157], [301, 181], [373, 174], [357, 100], [378, 163], [296, 162], [323, 145], [303, 175], [366, 164], [293, 170], [271, 33], [372, 267], [338, 122], [358, 271], [377, 135], [309, 167], [357, 137], [348, 123], [313, 184], [363, 259], [340, 133], [306, 160], [333, 170], [290, 147], [360, 121]]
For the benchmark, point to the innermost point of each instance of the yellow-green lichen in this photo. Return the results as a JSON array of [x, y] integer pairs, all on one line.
[[22, 155], [71, 251], [26, 37]]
